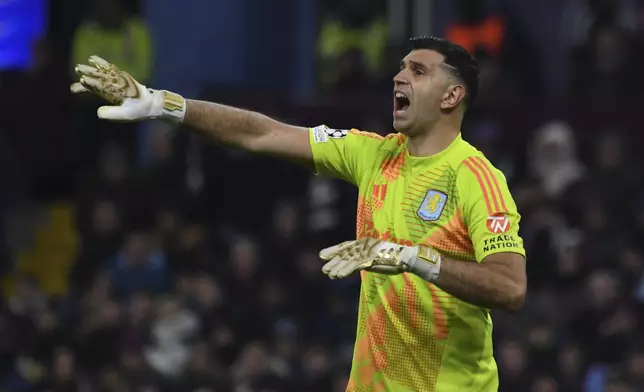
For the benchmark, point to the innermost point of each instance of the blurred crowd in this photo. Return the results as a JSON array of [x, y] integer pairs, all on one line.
[[195, 267]]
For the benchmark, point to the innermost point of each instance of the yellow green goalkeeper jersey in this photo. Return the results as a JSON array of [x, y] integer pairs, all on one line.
[[411, 335]]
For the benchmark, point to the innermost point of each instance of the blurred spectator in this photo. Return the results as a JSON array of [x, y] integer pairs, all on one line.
[[173, 332], [285, 233], [495, 83], [317, 367], [203, 373], [476, 29], [64, 377], [108, 181], [571, 367], [138, 266], [100, 335], [253, 370], [140, 313], [607, 66], [581, 17], [352, 43], [553, 158], [615, 180], [27, 300], [513, 366], [101, 240], [137, 372], [607, 325]]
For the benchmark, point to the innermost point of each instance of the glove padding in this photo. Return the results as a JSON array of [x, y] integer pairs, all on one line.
[[131, 101], [381, 257]]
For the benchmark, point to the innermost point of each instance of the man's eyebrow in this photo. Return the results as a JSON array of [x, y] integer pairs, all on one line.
[[415, 64]]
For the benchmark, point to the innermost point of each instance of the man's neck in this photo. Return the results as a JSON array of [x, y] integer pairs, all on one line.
[[434, 139]]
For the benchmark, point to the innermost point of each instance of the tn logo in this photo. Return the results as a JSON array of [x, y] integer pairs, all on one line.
[[498, 223]]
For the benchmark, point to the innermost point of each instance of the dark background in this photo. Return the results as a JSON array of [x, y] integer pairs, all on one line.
[[139, 258]]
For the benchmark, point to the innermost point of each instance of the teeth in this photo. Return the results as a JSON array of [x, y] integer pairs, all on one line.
[[400, 95]]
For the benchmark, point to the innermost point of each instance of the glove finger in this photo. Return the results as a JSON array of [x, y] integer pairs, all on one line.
[[82, 69], [91, 83], [330, 252], [347, 268], [115, 113], [331, 265], [98, 62], [77, 88], [337, 268]]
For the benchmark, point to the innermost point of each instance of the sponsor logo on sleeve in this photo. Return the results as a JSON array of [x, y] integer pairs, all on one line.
[[502, 242], [498, 223]]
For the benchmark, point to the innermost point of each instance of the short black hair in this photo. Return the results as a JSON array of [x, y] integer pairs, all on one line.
[[463, 64]]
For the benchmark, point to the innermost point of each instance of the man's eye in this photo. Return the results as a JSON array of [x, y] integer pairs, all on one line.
[[419, 72]]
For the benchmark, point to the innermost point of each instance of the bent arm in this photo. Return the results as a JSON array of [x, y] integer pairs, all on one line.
[[249, 131], [498, 282], [497, 279]]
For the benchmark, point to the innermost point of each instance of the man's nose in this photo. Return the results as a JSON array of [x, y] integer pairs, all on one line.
[[400, 78]]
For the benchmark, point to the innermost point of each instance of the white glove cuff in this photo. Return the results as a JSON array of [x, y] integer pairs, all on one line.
[[173, 107], [426, 263]]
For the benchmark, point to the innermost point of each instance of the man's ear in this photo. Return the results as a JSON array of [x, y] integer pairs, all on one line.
[[453, 96]]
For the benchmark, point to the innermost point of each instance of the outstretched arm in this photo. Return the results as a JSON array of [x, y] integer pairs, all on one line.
[[248, 130], [240, 128]]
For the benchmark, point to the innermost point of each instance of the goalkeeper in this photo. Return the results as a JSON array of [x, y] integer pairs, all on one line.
[[437, 229]]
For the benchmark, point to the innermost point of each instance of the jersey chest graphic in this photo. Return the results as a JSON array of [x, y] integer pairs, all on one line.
[[408, 210]]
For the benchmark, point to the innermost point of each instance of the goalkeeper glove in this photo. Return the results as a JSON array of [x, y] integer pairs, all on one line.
[[381, 257], [131, 100]]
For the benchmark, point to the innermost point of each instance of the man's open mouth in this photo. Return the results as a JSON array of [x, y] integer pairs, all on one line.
[[401, 102]]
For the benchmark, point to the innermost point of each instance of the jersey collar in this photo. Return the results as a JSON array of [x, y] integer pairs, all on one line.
[[431, 159]]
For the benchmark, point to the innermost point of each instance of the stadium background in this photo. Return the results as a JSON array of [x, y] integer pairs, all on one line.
[[227, 294]]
